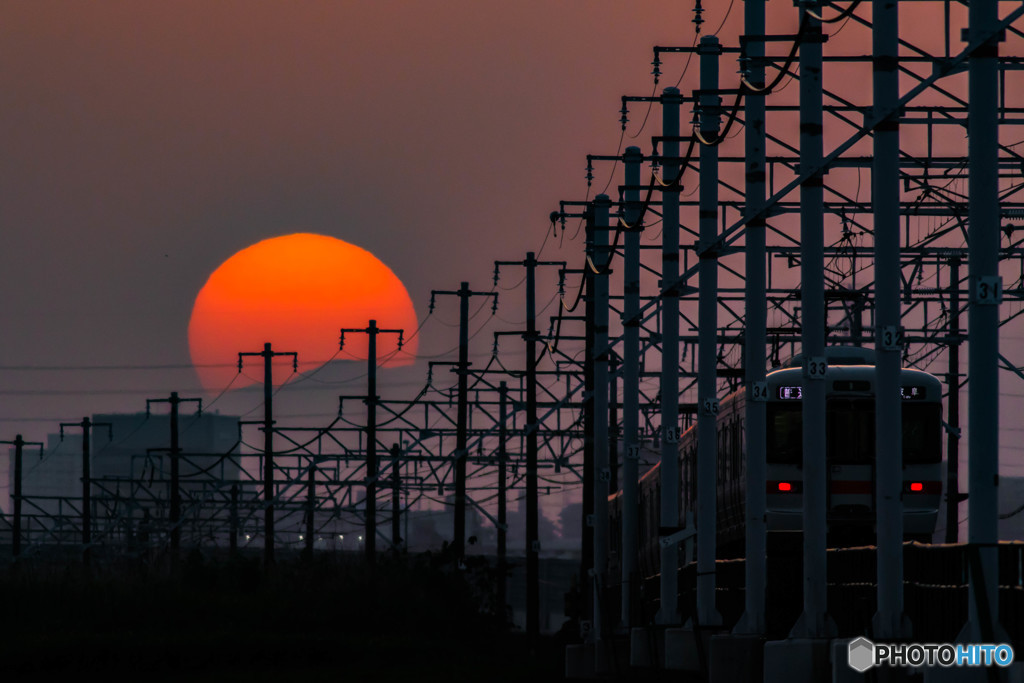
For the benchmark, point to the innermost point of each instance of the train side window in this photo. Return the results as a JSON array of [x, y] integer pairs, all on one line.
[[723, 454], [737, 448], [733, 468], [693, 474], [742, 448], [686, 478], [784, 437]]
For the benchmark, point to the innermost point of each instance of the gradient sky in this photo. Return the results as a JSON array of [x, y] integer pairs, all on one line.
[[145, 143]]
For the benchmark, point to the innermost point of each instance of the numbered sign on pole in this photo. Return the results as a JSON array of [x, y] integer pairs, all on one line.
[[815, 368], [988, 290]]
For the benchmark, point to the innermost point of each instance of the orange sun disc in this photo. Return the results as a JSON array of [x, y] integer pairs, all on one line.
[[296, 292]]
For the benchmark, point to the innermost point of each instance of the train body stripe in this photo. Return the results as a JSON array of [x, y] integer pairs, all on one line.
[[843, 487]]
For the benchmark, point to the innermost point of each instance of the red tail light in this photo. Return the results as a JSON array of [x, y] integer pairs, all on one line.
[[785, 486], [926, 487]]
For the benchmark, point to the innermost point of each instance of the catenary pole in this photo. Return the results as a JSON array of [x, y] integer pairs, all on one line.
[[889, 620], [174, 401], [668, 613], [755, 566], [19, 444], [462, 411], [814, 621], [631, 384], [372, 468], [600, 264], [268, 354], [502, 493], [396, 501], [86, 425], [953, 416], [707, 347], [983, 321]]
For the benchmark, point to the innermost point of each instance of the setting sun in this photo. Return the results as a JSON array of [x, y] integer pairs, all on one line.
[[296, 292]]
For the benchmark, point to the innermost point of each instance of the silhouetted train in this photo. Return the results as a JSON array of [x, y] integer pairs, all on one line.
[[850, 452]]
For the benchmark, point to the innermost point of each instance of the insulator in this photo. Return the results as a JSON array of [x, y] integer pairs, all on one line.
[[495, 273], [695, 121], [590, 170], [624, 119], [698, 16], [341, 341], [657, 66]]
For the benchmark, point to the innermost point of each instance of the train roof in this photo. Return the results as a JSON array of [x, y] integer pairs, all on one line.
[[838, 355]]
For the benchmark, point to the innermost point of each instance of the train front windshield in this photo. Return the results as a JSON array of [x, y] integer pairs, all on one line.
[[850, 431], [922, 433]]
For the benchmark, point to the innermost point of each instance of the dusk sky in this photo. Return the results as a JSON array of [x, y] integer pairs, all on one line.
[[146, 143]]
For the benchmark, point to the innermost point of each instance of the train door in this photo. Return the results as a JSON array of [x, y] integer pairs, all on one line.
[[850, 444]]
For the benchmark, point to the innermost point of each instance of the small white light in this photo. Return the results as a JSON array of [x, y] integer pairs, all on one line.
[[301, 538], [247, 537], [341, 537], [360, 538]]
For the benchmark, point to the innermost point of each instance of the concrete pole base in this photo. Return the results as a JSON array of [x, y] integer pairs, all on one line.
[[842, 672], [736, 658], [589, 660], [971, 633], [579, 661], [797, 660], [687, 649], [969, 674], [646, 647]]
